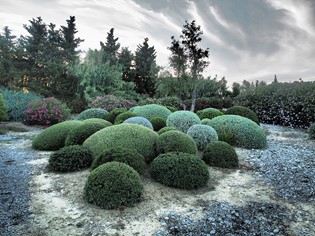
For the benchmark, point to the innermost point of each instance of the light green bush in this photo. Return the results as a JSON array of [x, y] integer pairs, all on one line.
[[182, 120], [239, 131], [166, 129], [93, 113], [124, 136], [209, 113], [54, 137], [202, 135], [140, 121], [124, 116], [152, 110], [243, 111]]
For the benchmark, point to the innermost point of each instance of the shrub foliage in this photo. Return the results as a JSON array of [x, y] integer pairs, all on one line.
[[243, 111], [93, 113], [111, 102], [158, 123], [152, 110], [182, 120], [139, 121], [3, 110], [202, 135]]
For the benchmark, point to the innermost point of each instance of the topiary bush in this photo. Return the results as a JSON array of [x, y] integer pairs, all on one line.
[[243, 111], [242, 132], [111, 102], [128, 156], [127, 136], [311, 131], [97, 121], [180, 170], [152, 110], [166, 129], [93, 113], [54, 137], [182, 120], [78, 135], [124, 116], [202, 135], [3, 110], [16, 102], [175, 141], [114, 113], [112, 185], [205, 121], [209, 113], [140, 121], [158, 123], [45, 111], [71, 158], [220, 154]]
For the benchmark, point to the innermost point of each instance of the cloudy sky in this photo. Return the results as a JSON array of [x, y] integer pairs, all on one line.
[[248, 39]]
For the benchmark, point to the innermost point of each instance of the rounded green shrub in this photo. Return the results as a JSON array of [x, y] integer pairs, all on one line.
[[139, 121], [182, 120], [127, 136], [128, 156], [71, 158], [114, 113], [175, 141], [78, 135], [152, 110], [54, 137], [97, 121], [239, 131], [124, 116], [112, 185], [158, 123], [209, 113], [202, 135], [166, 129], [311, 131], [180, 170], [3, 110], [220, 154], [172, 109], [205, 121], [93, 113], [243, 111]]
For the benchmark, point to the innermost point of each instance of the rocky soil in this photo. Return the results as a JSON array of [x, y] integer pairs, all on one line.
[[272, 193]]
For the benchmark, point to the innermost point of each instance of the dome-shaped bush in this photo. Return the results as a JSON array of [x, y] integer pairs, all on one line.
[[202, 135], [152, 110], [175, 141], [239, 131], [182, 120], [71, 158], [166, 129], [311, 131], [128, 156], [112, 185], [243, 111], [180, 170], [124, 116], [158, 123], [209, 113], [205, 121], [127, 136], [97, 121], [93, 113], [140, 121], [53, 137], [114, 113], [85, 130], [220, 154]]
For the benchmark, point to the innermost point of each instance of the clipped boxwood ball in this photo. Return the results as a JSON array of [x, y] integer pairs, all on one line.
[[239, 131], [205, 121], [97, 121], [127, 136], [182, 120], [53, 137], [71, 158], [166, 129], [112, 185], [82, 132], [128, 156], [243, 111], [139, 121], [124, 116], [92, 113], [114, 113], [180, 170], [202, 135], [209, 113], [152, 110], [220, 154], [158, 123], [175, 141]]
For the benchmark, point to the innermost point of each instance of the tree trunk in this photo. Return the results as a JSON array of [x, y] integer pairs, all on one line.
[[193, 99]]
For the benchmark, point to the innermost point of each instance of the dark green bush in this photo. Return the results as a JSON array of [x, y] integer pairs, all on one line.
[[311, 131], [158, 123], [3, 110], [54, 137], [209, 113], [243, 111], [175, 141], [202, 103], [124, 116], [93, 113], [166, 129], [152, 110], [114, 113], [112, 185], [128, 156], [220, 154], [71, 158], [180, 170], [172, 109]]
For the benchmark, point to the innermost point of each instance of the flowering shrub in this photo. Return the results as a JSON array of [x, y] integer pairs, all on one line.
[[45, 111], [110, 102]]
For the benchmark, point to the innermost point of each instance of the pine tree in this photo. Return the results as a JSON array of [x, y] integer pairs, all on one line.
[[125, 60], [111, 46]]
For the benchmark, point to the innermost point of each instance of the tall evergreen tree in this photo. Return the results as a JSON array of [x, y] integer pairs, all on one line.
[[111, 45], [125, 59], [178, 58]]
